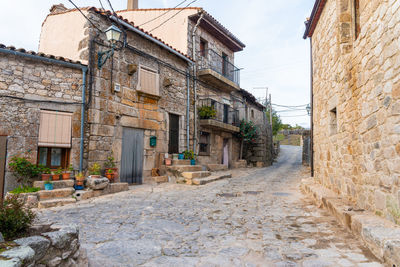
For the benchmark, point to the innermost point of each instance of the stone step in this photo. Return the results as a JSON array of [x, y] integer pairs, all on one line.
[[55, 202], [216, 167], [185, 168], [55, 193], [200, 174], [160, 179], [212, 178], [179, 162], [56, 184]]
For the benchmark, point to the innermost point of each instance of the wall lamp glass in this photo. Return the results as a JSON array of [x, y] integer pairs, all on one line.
[[113, 34]]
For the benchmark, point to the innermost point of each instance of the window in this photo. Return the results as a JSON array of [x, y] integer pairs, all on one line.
[[224, 64], [252, 114], [55, 129], [357, 24], [149, 81], [203, 47], [54, 157], [204, 144], [333, 121]]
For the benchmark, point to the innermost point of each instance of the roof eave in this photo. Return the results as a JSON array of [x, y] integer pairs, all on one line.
[[314, 18]]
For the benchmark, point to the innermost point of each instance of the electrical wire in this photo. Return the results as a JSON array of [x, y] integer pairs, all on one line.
[[294, 116], [91, 22], [172, 16], [101, 4], [40, 101], [169, 10], [289, 106]]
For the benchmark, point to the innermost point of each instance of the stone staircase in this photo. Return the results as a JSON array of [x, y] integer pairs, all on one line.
[[196, 174], [62, 194]]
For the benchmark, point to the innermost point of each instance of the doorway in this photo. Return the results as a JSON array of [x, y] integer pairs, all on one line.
[[173, 145], [225, 152], [132, 156], [3, 157]]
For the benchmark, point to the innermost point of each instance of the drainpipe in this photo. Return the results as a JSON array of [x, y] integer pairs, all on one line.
[[188, 109], [312, 111], [195, 79], [69, 65]]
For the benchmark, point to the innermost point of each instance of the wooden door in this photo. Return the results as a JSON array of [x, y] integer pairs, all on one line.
[[3, 157], [132, 156], [173, 146]]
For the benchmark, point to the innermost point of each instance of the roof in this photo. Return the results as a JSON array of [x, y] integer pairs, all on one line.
[[209, 23], [315, 16], [43, 55], [251, 98]]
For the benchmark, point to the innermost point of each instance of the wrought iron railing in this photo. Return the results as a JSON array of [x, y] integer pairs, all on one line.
[[224, 112], [209, 59]]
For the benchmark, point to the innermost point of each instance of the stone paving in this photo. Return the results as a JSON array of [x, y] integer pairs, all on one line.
[[257, 218]]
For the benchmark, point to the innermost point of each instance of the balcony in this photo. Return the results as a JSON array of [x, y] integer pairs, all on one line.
[[224, 118], [218, 71]]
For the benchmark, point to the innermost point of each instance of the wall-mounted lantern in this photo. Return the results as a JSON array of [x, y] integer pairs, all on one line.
[[113, 35], [308, 108]]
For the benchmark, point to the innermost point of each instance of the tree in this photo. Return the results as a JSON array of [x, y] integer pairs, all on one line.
[[247, 134], [276, 122]]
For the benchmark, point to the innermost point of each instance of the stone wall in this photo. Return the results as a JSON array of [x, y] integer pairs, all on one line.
[[25, 86], [356, 104]]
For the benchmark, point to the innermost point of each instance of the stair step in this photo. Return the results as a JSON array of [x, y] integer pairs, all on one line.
[[212, 178], [185, 168], [55, 202], [160, 179], [56, 184], [180, 162], [200, 174], [216, 167], [56, 193]]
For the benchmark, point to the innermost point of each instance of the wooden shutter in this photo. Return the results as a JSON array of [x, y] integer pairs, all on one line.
[[149, 81], [55, 129]]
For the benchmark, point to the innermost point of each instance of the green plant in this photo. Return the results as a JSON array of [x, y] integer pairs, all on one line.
[[207, 112], [248, 131], [188, 154], [48, 182], [110, 163], [15, 219], [95, 169], [70, 168], [110, 171], [25, 189], [46, 170], [59, 171], [24, 170], [276, 121]]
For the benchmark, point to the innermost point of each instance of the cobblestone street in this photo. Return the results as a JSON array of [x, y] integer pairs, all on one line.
[[257, 218]]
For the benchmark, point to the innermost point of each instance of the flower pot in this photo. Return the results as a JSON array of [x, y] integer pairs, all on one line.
[[181, 156], [48, 187], [192, 162], [168, 162], [175, 156], [79, 182], [110, 176], [46, 176], [95, 176], [66, 176], [56, 177]]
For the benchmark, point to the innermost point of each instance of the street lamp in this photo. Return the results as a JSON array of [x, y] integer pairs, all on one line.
[[308, 108], [113, 35]]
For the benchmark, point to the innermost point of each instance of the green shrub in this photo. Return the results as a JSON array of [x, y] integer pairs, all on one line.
[[24, 170], [25, 189], [189, 154], [207, 112], [15, 219]]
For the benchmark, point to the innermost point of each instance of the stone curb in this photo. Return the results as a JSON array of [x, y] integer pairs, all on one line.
[[381, 236]]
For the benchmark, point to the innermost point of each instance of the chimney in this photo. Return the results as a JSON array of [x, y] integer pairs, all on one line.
[[133, 4]]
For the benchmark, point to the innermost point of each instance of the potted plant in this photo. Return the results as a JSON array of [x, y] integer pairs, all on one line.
[[189, 154], [207, 112], [46, 174], [181, 156], [110, 174], [56, 174], [110, 165], [66, 175], [23, 170], [94, 171], [168, 160], [80, 178], [48, 185]]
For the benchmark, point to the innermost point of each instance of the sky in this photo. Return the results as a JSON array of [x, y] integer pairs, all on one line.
[[276, 56]]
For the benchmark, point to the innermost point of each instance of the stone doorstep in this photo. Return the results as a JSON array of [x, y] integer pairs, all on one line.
[[56, 184], [213, 178], [379, 235], [160, 179], [179, 162], [110, 189], [55, 193], [200, 174], [185, 168], [55, 202], [216, 167]]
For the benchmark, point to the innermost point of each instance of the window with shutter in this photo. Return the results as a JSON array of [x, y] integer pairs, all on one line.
[[55, 129], [149, 81]]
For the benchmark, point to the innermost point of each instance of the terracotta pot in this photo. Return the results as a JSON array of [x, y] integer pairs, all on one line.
[[110, 176], [46, 176], [66, 176], [115, 171], [79, 182], [56, 177], [168, 162]]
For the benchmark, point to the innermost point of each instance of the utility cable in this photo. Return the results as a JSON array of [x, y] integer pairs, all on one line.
[[91, 22], [40, 101], [172, 16], [169, 10], [101, 4]]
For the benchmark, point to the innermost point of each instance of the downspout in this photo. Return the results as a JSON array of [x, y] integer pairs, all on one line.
[[83, 108], [195, 79], [312, 111], [188, 109]]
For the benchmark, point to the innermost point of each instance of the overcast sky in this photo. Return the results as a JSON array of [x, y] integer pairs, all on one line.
[[275, 56]]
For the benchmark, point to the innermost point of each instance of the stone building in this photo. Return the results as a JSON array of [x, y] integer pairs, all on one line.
[[356, 107]]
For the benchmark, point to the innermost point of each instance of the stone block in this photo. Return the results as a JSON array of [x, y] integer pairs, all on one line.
[[160, 179], [216, 167], [38, 243], [260, 164], [56, 184], [56, 193], [55, 202], [96, 183], [240, 164], [380, 200], [118, 187], [177, 162], [24, 253], [200, 174]]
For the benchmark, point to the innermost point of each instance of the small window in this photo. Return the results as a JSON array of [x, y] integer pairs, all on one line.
[[225, 62], [55, 129], [252, 114], [204, 144], [357, 23], [149, 81], [53, 157], [203, 47], [333, 121]]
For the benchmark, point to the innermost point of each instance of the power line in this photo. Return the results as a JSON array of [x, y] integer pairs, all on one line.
[[294, 116], [101, 4], [172, 16], [289, 106], [169, 10], [91, 22]]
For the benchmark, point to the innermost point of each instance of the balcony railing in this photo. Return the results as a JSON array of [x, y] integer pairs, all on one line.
[[224, 113], [209, 59]]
